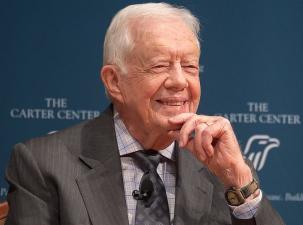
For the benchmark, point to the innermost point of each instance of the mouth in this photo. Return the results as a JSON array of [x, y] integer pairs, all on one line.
[[171, 102], [171, 106]]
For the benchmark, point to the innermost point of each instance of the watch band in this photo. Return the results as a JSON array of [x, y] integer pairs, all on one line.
[[249, 189], [236, 197]]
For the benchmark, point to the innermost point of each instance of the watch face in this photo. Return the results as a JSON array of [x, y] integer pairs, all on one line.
[[237, 197], [232, 198]]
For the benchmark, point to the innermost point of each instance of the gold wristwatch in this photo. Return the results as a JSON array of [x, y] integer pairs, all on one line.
[[236, 197]]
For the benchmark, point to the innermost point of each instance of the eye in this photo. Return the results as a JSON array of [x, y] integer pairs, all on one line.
[[190, 66], [160, 66], [190, 69]]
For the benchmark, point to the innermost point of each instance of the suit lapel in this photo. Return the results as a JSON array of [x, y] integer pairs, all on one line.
[[193, 191], [102, 186]]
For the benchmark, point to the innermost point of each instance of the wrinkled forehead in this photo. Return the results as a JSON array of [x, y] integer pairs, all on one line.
[[146, 29]]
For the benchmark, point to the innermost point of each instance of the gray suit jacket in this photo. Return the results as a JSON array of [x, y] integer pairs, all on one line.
[[73, 177]]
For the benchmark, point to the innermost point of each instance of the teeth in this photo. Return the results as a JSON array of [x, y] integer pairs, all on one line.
[[173, 103]]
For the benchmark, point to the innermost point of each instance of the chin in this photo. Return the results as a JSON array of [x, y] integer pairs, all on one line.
[[162, 117], [172, 113]]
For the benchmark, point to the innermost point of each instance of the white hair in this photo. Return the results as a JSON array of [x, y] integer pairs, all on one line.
[[118, 41]]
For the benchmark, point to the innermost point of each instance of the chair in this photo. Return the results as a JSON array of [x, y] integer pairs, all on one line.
[[3, 212]]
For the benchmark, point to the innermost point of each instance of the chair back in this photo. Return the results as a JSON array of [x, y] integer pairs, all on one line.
[[3, 212]]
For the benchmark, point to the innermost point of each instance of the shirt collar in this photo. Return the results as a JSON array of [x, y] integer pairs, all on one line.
[[127, 144]]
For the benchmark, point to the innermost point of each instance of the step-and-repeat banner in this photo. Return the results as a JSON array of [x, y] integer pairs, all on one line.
[[251, 73]]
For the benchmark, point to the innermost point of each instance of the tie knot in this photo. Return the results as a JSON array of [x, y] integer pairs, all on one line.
[[147, 159]]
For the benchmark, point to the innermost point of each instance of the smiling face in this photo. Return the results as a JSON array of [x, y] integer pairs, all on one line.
[[162, 79]]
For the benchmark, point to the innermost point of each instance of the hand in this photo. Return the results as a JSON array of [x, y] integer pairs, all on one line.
[[212, 140]]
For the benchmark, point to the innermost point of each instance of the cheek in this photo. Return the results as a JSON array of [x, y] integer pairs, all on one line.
[[141, 93], [149, 88], [195, 89]]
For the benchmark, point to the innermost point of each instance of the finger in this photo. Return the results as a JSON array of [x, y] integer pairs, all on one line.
[[183, 117], [176, 136], [219, 128], [190, 125], [206, 142], [198, 141], [180, 118], [190, 146], [200, 155], [221, 132], [174, 127], [187, 130], [176, 122]]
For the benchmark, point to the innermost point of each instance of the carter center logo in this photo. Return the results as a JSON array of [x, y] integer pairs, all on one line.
[[258, 147]]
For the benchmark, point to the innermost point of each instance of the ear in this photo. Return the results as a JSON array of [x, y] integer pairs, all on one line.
[[111, 79]]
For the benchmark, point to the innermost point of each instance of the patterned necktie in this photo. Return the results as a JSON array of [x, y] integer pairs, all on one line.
[[152, 207]]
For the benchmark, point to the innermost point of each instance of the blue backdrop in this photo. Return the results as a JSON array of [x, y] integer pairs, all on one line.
[[251, 73]]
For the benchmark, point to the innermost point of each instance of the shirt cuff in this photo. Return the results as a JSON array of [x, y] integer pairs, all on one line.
[[248, 209]]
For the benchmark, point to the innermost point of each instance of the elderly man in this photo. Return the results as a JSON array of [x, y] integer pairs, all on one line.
[[149, 159]]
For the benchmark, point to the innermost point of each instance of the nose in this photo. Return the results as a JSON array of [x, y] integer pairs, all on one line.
[[177, 79]]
